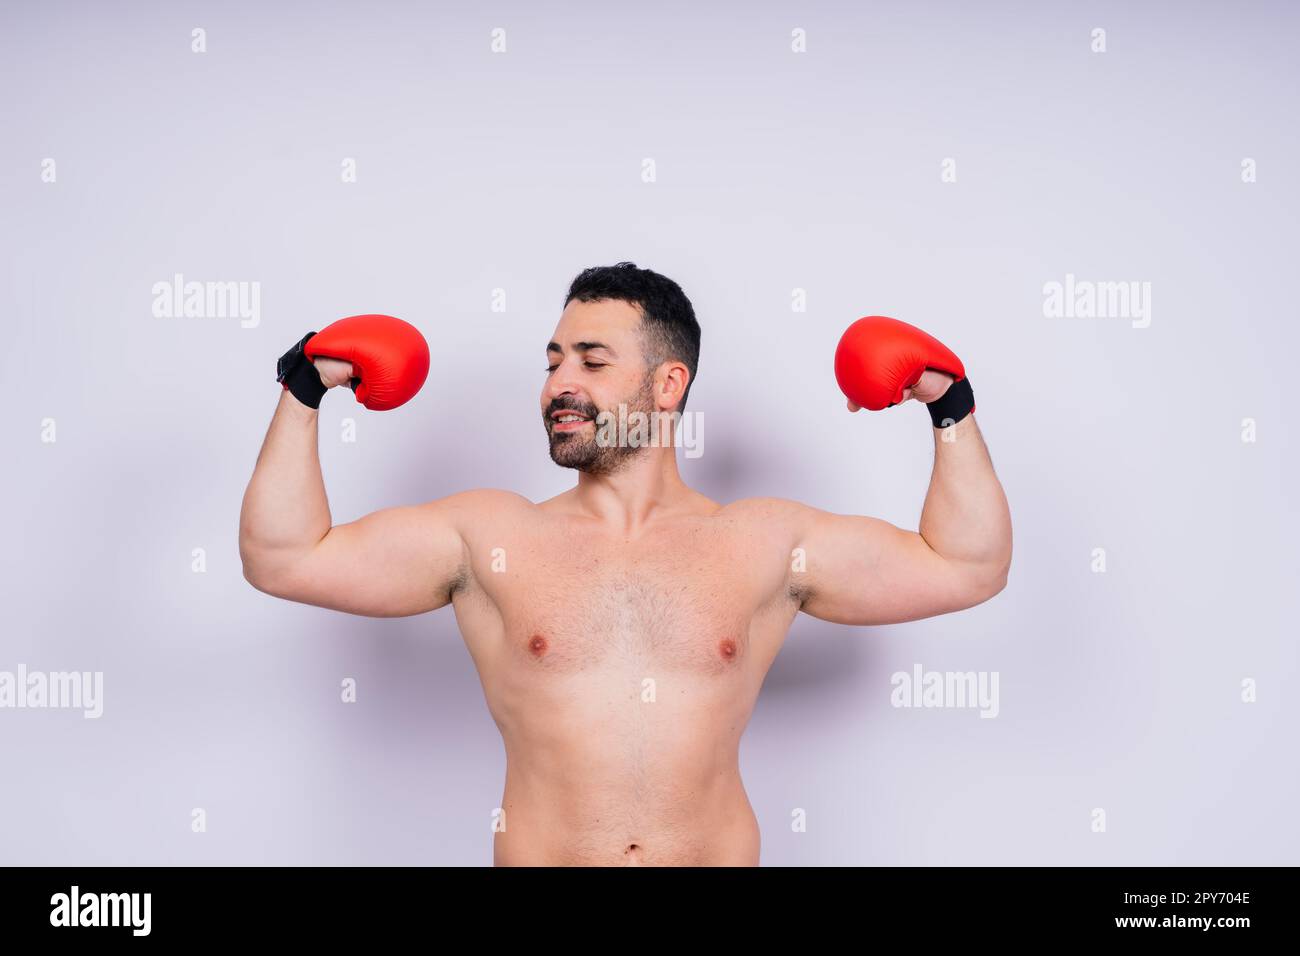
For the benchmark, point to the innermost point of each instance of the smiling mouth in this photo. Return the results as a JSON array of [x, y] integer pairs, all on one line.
[[568, 422]]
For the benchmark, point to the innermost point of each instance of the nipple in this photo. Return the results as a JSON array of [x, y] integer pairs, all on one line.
[[537, 645]]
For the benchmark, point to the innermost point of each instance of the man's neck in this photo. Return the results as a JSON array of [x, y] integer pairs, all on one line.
[[647, 487]]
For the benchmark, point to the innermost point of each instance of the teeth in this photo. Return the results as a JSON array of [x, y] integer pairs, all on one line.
[[569, 418]]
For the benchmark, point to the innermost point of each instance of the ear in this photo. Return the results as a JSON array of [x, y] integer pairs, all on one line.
[[670, 384]]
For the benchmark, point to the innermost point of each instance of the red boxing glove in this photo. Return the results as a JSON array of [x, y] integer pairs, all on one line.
[[879, 357], [390, 359]]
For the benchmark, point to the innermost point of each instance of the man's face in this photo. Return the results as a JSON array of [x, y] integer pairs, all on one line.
[[594, 364]]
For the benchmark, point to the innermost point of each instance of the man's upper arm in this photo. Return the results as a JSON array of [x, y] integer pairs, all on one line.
[[864, 570], [390, 563]]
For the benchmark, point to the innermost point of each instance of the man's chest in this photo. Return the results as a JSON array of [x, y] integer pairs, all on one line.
[[690, 600]]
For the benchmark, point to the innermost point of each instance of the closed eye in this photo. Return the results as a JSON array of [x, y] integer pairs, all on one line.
[[591, 365]]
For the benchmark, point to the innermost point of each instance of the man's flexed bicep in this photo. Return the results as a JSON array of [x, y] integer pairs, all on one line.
[[860, 570], [390, 563], [866, 571], [394, 562]]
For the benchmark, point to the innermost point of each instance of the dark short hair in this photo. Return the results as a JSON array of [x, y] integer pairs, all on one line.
[[669, 331]]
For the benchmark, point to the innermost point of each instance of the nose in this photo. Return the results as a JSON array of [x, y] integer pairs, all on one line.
[[561, 382]]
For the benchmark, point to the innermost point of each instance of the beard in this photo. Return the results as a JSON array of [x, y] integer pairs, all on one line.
[[580, 449]]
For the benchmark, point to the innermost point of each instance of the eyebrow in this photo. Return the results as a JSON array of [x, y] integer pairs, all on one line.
[[581, 347]]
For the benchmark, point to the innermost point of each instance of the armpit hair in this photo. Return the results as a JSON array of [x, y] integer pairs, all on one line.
[[459, 581]]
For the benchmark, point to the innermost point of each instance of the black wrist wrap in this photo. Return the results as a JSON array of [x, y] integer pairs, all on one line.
[[297, 373], [956, 404]]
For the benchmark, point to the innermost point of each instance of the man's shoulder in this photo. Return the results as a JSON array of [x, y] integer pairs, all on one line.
[[766, 510], [781, 518], [480, 502]]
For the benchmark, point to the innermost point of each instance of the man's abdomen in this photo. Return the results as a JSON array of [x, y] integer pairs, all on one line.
[[596, 774], [573, 825]]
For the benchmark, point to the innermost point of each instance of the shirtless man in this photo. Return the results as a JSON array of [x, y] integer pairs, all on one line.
[[622, 629]]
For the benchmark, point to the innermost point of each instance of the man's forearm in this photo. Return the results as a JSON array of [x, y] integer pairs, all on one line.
[[285, 510], [966, 518]]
